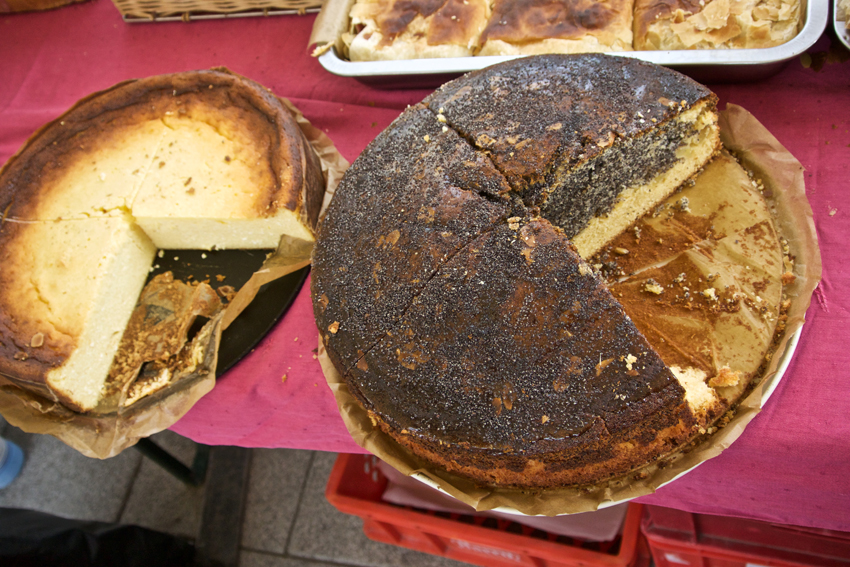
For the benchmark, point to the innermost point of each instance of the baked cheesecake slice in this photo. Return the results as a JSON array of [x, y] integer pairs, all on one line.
[[87, 164], [202, 159], [67, 290]]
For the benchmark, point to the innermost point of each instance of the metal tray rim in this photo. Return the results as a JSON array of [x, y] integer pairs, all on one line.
[[817, 14], [841, 30]]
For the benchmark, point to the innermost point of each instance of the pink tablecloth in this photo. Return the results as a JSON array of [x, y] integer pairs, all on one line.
[[792, 465]]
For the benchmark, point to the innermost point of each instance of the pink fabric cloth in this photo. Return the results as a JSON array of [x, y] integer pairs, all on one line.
[[792, 465]]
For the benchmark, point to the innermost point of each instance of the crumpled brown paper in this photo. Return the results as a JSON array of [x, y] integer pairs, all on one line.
[[106, 435], [761, 153]]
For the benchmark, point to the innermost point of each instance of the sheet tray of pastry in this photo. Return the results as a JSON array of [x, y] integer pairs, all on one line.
[[705, 65]]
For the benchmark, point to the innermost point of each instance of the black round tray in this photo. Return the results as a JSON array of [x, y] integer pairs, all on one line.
[[234, 268]]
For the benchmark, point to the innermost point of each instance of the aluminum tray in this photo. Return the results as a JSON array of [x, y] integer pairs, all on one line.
[[840, 29], [709, 66]]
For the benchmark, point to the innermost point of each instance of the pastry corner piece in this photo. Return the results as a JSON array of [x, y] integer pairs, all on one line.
[[419, 29], [715, 24], [530, 27]]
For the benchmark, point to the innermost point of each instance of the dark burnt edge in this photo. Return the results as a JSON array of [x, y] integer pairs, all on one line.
[[674, 447]]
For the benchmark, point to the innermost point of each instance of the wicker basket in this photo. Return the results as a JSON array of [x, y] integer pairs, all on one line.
[[186, 10]]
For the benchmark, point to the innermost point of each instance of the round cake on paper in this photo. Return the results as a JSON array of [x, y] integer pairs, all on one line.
[[196, 160], [467, 277]]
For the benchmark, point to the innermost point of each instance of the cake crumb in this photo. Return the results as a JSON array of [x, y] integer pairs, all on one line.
[[621, 251], [726, 377], [602, 364], [334, 327], [630, 360], [544, 419], [652, 286], [37, 340], [283, 379]]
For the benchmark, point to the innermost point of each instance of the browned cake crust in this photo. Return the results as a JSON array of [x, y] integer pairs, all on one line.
[[95, 121], [411, 201], [524, 23], [569, 132], [412, 29], [539, 379], [464, 322]]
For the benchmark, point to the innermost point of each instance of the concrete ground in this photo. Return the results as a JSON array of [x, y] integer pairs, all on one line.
[[287, 521]]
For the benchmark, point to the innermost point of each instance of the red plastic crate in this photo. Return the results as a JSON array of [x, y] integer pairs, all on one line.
[[356, 485], [681, 539]]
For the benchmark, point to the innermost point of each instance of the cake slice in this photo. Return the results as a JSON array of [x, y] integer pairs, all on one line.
[[594, 141], [413, 200], [77, 169], [67, 290], [202, 159]]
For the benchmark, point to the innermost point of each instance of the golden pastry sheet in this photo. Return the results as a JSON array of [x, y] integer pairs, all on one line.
[[714, 24]]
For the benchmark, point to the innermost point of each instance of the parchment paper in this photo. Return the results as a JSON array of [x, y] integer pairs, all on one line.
[[783, 176], [104, 436]]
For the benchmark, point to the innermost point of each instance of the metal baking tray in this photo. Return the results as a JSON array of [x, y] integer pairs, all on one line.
[[193, 16], [840, 27], [709, 66]]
